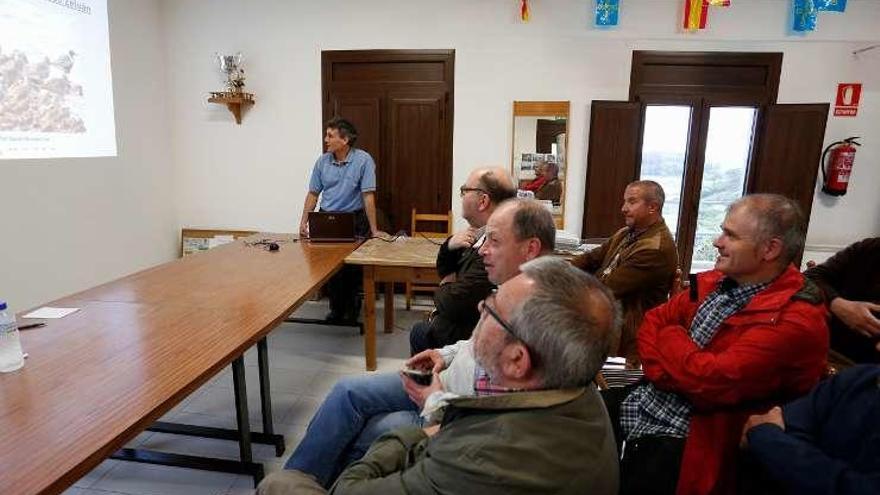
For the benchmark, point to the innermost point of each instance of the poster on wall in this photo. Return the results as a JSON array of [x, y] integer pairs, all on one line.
[[847, 102], [56, 91]]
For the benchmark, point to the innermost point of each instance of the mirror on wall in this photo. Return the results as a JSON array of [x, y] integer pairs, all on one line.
[[539, 158]]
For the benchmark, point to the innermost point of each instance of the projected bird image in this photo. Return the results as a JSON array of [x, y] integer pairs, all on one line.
[[38, 95]]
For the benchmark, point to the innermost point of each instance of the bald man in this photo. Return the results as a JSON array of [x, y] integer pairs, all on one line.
[[464, 281]]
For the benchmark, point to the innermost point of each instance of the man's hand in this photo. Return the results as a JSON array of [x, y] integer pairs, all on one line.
[[773, 416], [431, 430], [304, 228], [380, 234], [857, 316], [419, 393], [427, 360], [463, 239]]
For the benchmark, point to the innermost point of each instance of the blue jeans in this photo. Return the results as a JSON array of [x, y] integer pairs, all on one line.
[[355, 413], [420, 338]]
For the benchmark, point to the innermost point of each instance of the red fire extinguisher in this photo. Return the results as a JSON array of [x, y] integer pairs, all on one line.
[[843, 153]]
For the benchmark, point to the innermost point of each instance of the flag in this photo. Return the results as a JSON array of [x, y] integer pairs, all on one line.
[[606, 12], [830, 5], [695, 14], [804, 15], [524, 13]]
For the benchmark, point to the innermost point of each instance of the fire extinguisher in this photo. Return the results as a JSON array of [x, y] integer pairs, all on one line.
[[843, 153]]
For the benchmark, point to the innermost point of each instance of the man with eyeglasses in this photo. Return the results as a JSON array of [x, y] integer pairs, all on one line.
[[463, 277], [535, 424], [360, 409]]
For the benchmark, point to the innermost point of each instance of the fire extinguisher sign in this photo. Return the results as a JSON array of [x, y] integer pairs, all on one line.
[[848, 95]]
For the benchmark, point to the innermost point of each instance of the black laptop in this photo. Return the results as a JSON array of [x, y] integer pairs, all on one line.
[[325, 226]]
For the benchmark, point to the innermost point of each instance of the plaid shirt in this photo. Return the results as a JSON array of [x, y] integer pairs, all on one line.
[[650, 411], [482, 386]]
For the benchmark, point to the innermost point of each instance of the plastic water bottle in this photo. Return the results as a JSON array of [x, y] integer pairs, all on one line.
[[11, 356]]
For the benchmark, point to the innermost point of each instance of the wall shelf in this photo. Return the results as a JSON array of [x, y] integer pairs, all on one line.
[[235, 101]]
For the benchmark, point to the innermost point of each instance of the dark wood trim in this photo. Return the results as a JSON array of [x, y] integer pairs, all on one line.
[[768, 62]]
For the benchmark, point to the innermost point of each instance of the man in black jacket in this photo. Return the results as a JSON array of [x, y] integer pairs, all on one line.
[[464, 281], [851, 282]]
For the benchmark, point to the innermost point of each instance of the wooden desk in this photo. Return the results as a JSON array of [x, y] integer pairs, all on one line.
[[408, 259], [137, 347]]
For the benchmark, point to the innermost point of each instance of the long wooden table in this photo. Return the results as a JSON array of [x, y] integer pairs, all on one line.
[[407, 259], [137, 347]]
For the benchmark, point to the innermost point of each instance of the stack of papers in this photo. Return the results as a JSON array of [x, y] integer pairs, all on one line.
[[566, 241], [616, 375]]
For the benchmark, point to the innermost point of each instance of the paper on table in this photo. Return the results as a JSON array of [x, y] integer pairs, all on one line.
[[49, 312]]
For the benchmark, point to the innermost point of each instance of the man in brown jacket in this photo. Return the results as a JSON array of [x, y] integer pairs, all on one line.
[[637, 263]]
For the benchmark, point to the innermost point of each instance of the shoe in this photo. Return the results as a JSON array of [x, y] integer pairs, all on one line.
[[333, 317]]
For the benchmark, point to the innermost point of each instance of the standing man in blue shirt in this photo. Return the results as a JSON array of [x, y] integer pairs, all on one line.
[[345, 178]]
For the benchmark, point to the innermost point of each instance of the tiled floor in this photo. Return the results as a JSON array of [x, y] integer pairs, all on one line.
[[305, 361]]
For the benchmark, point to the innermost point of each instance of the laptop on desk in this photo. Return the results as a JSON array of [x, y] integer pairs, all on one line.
[[326, 226]]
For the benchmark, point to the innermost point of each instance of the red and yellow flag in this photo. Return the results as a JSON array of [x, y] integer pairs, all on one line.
[[695, 12], [524, 12]]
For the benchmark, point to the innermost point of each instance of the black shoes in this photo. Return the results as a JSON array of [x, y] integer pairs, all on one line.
[[335, 318]]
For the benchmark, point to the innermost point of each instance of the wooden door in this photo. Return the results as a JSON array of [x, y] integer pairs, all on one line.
[[612, 163], [401, 103], [546, 132], [789, 150]]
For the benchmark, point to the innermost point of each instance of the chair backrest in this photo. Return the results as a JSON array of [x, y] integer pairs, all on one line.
[[431, 217]]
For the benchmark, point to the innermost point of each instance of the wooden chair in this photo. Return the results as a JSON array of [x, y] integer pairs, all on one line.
[[415, 232]]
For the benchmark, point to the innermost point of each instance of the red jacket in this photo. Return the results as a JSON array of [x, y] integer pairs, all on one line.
[[771, 351]]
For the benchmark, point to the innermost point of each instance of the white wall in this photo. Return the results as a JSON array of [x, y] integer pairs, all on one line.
[[68, 224], [254, 175]]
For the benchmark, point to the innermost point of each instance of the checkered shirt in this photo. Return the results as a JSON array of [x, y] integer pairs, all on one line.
[[482, 386], [650, 411]]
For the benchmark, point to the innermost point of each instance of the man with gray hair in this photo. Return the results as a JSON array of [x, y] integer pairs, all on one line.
[[748, 334], [359, 409], [637, 263], [463, 280], [551, 188], [536, 424]]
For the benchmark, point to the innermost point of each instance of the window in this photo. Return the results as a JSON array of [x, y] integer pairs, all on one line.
[[704, 125], [699, 123]]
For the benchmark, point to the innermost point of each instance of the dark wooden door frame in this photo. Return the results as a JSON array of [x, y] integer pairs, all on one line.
[[381, 71], [689, 78]]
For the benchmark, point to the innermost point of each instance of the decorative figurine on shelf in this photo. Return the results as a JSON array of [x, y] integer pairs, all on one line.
[[234, 97], [231, 66]]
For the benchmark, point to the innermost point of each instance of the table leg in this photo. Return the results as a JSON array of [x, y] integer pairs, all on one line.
[[370, 317], [241, 410], [389, 307], [266, 396]]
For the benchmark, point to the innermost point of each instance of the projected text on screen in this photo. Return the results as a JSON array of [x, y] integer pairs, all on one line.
[[56, 92]]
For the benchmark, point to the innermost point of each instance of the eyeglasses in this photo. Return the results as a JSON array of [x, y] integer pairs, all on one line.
[[464, 190], [484, 306]]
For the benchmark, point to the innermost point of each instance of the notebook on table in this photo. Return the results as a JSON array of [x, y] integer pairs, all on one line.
[[325, 226]]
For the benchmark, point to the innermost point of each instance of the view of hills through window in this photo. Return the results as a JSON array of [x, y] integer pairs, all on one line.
[[728, 147]]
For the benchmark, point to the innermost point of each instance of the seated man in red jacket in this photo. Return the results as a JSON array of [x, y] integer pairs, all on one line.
[[748, 334]]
